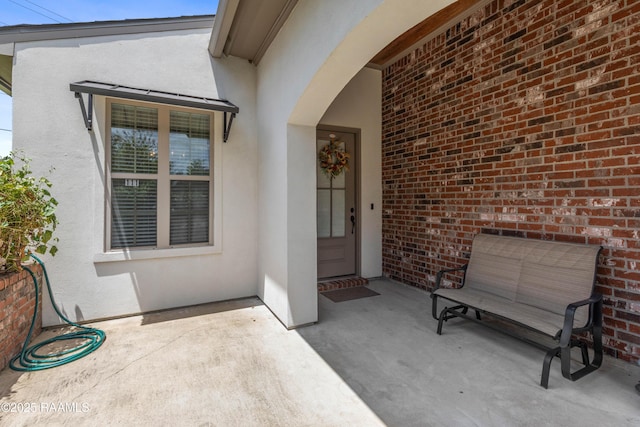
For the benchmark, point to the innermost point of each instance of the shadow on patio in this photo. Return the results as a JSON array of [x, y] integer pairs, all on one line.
[[372, 361], [387, 350]]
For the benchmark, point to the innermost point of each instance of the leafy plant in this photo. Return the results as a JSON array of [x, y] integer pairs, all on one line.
[[27, 214]]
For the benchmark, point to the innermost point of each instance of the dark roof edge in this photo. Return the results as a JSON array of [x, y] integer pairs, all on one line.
[[27, 33], [151, 95]]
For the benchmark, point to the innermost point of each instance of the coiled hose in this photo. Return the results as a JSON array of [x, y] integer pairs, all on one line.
[[30, 359]]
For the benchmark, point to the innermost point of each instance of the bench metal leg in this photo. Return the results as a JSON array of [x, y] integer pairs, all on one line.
[[434, 306], [546, 366], [584, 352], [596, 333], [434, 309], [443, 316], [440, 320], [449, 313], [564, 352], [565, 360]]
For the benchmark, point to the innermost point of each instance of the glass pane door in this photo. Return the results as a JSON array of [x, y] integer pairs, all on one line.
[[331, 199], [336, 202]]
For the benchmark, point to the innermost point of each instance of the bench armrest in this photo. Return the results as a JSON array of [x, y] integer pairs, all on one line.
[[434, 299], [450, 270], [595, 316]]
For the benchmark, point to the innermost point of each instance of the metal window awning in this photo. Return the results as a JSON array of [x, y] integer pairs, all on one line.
[[118, 91]]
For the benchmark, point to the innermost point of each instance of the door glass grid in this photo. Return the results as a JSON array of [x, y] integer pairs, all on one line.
[[324, 213], [331, 196]]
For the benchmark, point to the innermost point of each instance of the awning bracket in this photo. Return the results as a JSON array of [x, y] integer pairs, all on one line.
[[87, 112], [228, 120]]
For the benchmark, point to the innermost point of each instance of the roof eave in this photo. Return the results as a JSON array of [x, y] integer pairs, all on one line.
[[243, 29], [221, 26], [28, 33]]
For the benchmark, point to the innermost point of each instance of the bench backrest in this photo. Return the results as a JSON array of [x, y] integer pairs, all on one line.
[[544, 274]]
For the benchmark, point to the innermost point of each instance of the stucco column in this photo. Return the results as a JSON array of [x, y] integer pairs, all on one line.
[[301, 224], [287, 238]]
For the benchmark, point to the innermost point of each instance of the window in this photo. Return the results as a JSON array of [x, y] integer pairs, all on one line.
[[161, 182]]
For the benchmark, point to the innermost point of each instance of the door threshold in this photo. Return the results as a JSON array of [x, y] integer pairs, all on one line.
[[333, 283]]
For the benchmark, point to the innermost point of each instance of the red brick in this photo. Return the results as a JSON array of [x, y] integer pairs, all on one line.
[[16, 311], [475, 169]]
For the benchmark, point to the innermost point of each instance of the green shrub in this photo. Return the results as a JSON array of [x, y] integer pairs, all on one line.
[[27, 214]]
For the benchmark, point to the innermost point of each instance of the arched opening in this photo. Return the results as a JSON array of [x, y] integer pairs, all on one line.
[[317, 53]]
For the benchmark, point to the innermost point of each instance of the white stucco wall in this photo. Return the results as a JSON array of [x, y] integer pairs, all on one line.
[[268, 166], [359, 106], [48, 126], [320, 48]]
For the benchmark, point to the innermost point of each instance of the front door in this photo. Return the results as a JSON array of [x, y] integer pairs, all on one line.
[[336, 198]]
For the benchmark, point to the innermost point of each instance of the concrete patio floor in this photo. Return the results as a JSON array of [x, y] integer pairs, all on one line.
[[372, 361]]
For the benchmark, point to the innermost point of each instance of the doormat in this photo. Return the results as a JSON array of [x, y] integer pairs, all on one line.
[[348, 294]]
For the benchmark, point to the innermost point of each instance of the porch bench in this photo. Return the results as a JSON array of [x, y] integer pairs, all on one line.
[[539, 286]]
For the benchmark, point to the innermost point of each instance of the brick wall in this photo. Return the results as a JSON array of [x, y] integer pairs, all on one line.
[[522, 119], [17, 299]]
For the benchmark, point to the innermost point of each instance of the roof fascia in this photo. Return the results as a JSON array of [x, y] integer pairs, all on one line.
[[28, 33], [221, 26]]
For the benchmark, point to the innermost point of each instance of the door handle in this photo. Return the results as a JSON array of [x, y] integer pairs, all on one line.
[[353, 221]]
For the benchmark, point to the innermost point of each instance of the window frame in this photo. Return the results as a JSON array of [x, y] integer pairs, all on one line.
[[163, 179]]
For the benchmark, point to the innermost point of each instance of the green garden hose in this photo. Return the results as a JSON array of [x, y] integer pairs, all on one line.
[[30, 359]]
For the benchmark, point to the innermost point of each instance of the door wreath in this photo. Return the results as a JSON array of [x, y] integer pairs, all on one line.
[[334, 160]]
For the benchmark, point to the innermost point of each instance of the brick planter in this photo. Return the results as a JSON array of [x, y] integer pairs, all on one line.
[[17, 300]]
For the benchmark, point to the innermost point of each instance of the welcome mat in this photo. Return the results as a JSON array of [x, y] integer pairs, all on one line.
[[348, 294]]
